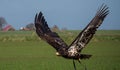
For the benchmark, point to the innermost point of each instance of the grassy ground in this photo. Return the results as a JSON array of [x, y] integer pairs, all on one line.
[[25, 51]]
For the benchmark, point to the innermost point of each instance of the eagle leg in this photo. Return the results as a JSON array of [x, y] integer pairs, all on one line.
[[74, 64]]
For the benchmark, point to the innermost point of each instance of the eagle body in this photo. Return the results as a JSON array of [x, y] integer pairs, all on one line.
[[72, 53]]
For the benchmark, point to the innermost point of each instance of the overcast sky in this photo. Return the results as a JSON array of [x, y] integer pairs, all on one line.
[[72, 14]]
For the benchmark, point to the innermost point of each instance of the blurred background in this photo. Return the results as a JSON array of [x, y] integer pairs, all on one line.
[[22, 49], [66, 14]]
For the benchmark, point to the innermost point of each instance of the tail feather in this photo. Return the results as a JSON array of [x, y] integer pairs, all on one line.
[[85, 56]]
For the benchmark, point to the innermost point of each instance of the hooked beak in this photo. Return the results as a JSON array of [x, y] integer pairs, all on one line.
[[57, 53]]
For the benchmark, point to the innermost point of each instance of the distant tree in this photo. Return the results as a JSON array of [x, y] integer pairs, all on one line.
[[64, 29], [55, 28], [30, 26], [2, 22]]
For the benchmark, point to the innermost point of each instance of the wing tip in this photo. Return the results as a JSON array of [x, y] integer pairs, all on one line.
[[38, 17], [41, 23], [103, 11], [35, 20]]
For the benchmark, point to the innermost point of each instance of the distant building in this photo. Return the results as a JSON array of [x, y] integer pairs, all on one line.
[[25, 29], [8, 28], [28, 27]]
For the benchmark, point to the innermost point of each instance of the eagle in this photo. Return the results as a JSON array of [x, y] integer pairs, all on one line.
[[72, 51]]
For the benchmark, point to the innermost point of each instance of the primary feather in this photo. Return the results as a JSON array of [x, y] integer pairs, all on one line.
[[46, 34], [87, 33]]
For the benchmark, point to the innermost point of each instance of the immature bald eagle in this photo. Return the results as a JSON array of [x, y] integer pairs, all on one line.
[[73, 50]]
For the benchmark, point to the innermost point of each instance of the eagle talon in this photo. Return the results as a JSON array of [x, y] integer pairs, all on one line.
[[79, 60]]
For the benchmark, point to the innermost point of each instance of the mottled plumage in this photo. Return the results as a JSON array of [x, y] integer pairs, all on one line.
[[73, 50]]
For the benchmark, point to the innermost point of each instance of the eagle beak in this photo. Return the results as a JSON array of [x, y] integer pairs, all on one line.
[[57, 53]]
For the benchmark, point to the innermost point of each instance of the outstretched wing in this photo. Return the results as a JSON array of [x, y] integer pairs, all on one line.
[[44, 32], [87, 33]]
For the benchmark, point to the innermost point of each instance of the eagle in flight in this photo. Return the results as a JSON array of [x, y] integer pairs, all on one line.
[[73, 50]]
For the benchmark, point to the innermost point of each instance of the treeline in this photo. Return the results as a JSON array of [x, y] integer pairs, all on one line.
[[67, 36]]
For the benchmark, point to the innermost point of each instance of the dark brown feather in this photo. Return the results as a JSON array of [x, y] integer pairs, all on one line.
[[46, 34], [73, 50]]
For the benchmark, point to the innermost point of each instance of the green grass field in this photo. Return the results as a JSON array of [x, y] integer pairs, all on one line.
[[21, 50]]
